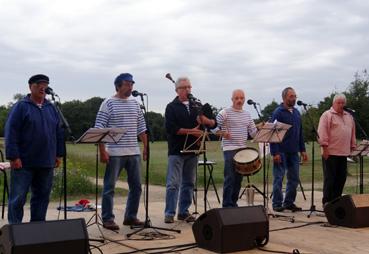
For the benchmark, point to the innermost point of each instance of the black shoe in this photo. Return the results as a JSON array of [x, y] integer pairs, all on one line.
[[133, 222], [186, 217], [278, 208], [293, 208]]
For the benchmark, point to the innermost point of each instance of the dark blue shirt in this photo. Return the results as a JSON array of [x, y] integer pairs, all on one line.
[[33, 134], [177, 117], [293, 141]]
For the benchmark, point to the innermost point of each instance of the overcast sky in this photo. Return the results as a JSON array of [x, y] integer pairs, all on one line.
[[260, 46]]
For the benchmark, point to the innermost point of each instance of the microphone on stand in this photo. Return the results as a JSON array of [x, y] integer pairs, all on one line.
[[251, 102], [136, 93], [168, 76], [300, 103], [50, 91]]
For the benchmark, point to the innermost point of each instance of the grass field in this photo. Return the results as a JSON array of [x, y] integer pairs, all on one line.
[[82, 157]]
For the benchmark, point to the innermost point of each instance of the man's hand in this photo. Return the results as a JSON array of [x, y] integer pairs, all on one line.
[[104, 156], [205, 121], [195, 131], [277, 158], [325, 153], [144, 154], [16, 164], [58, 162], [304, 156]]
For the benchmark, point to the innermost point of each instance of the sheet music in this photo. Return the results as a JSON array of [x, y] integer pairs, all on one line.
[[106, 135], [362, 149], [272, 132]]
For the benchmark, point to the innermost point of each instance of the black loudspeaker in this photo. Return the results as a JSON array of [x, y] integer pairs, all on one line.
[[348, 211], [232, 229], [46, 237]]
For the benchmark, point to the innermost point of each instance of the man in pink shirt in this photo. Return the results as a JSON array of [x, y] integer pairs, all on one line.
[[337, 138]]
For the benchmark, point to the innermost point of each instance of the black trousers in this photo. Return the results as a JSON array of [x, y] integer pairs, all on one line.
[[335, 173]]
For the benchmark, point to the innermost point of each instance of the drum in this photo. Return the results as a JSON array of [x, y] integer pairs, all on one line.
[[247, 161]]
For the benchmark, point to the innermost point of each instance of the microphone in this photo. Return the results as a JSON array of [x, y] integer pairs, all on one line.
[[50, 91], [251, 102], [136, 93], [351, 111], [168, 76], [300, 103]]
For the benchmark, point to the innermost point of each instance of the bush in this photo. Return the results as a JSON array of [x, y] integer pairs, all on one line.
[[78, 184]]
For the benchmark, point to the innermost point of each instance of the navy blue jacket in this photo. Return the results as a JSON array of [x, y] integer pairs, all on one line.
[[33, 134], [176, 117], [293, 141]]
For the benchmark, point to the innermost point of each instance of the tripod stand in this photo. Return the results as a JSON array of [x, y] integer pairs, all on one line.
[[147, 223], [97, 137], [314, 131]]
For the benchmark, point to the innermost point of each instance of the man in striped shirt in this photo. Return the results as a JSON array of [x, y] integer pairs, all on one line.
[[122, 111], [235, 126]]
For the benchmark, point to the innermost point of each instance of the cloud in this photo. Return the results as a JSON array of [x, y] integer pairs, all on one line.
[[260, 46]]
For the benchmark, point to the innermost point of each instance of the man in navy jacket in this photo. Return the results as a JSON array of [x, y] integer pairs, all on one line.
[[285, 154], [34, 145], [183, 126]]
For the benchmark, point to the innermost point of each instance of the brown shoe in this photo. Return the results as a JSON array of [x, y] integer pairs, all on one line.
[[133, 222], [111, 225]]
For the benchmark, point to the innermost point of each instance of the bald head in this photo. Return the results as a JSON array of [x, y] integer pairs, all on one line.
[[238, 99]]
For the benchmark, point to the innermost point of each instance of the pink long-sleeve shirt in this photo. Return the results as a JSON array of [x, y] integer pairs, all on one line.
[[337, 132]]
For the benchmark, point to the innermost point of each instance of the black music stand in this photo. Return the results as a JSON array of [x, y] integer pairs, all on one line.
[[361, 150], [270, 133], [99, 136]]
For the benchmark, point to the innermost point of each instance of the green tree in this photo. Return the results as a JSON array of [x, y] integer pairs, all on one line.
[[358, 99], [156, 125], [267, 112], [81, 115]]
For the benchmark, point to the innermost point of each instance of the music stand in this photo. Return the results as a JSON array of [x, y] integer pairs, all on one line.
[[361, 150], [270, 133], [99, 136], [202, 149]]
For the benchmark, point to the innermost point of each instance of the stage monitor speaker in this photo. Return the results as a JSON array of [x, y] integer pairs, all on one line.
[[349, 211], [46, 237], [232, 229]]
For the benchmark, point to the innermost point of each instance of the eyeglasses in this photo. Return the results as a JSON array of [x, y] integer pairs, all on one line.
[[184, 87]]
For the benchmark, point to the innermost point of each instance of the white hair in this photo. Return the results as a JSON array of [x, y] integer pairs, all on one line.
[[339, 96], [181, 79]]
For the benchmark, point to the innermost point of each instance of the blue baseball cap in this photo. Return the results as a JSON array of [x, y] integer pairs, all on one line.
[[123, 77]]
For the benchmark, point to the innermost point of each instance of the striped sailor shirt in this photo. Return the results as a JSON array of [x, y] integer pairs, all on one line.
[[239, 124], [122, 113]]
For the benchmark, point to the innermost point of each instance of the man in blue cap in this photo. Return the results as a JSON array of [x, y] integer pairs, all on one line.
[[122, 111], [34, 145]]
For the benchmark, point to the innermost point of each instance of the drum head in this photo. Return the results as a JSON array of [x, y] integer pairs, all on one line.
[[246, 155]]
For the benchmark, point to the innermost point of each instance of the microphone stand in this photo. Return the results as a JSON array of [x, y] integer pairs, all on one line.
[[314, 131], [147, 223], [68, 132], [264, 167], [361, 160]]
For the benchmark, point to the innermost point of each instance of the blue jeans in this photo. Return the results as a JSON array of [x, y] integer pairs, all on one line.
[[232, 180], [131, 164], [180, 179], [40, 181], [290, 163]]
